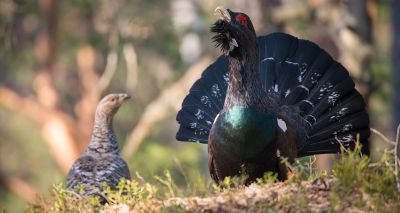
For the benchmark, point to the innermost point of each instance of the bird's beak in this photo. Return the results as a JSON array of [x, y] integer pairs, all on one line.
[[124, 96], [223, 13]]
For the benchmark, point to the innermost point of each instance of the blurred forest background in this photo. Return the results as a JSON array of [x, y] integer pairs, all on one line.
[[58, 58]]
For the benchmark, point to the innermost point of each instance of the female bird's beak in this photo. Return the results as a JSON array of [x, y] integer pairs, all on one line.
[[124, 96], [223, 13]]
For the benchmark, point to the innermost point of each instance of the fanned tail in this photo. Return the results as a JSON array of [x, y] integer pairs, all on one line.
[[331, 112]]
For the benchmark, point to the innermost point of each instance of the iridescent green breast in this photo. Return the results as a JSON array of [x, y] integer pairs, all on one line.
[[245, 132]]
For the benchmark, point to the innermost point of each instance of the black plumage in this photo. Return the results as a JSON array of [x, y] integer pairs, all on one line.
[[101, 162], [316, 107]]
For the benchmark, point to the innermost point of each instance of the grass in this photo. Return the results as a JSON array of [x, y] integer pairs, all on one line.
[[355, 184]]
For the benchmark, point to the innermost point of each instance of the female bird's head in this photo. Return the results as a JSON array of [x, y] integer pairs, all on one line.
[[110, 104], [234, 31]]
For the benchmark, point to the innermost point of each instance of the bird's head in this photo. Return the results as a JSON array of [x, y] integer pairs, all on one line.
[[234, 31], [110, 104]]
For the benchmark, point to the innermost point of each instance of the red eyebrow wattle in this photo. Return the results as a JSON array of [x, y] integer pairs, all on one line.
[[242, 18]]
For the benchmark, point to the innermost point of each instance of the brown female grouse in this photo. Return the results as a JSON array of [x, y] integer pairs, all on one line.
[[101, 162]]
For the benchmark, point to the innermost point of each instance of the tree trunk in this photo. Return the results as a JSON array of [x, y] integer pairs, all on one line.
[[267, 11], [395, 5], [363, 29]]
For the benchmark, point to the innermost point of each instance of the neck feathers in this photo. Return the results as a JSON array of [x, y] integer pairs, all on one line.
[[103, 137], [244, 88]]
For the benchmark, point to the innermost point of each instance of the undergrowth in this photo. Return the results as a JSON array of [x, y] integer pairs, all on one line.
[[355, 184]]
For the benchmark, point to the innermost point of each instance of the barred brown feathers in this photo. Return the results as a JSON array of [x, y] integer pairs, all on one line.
[[101, 162]]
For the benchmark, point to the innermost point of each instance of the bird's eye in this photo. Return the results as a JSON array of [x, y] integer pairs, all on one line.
[[242, 19], [113, 99]]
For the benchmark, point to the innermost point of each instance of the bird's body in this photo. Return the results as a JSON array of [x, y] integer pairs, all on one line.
[[268, 97], [101, 162]]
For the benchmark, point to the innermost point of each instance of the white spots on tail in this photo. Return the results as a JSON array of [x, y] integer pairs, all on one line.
[[340, 114], [343, 111], [287, 93], [226, 78], [347, 140], [194, 125], [301, 73], [198, 128], [300, 78], [282, 125], [324, 89], [315, 77], [333, 97], [216, 91], [302, 69], [194, 140], [347, 127], [201, 132], [199, 114], [205, 100], [276, 88]]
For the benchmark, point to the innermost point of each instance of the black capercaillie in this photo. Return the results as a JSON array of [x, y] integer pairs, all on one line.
[[269, 97]]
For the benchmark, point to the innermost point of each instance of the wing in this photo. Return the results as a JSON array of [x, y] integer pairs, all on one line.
[[111, 169], [81, 172], [92, 172]]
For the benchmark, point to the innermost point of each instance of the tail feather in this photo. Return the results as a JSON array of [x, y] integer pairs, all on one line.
[[277, 46], [298, 94], [306, 77], [349, 105], [201, 97], [205, 100], [333, 76], [345, 140], [354, 121], [311, 79], [317, 69], [274, 48], [200, 122], [192, 135], [323, 103]]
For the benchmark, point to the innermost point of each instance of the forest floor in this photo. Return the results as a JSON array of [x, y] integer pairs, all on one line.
[[306, 196], [355, 185]]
